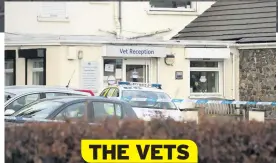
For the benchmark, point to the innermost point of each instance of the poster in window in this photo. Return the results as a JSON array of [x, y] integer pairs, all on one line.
[[109, 68], [179, 75]]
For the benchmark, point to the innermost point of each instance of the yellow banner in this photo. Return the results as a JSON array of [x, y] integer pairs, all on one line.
[[139, 151]]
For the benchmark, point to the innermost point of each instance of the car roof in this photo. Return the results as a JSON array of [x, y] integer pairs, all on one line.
[[138, 88], [30, 90], [65, 99]]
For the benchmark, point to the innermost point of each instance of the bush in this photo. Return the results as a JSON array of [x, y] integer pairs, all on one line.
[[218, 141]]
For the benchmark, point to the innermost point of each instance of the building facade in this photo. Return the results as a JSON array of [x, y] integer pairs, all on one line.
[[133, 20], [203, 69]]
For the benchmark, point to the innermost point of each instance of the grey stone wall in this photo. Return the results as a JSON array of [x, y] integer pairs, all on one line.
[[257, 75]]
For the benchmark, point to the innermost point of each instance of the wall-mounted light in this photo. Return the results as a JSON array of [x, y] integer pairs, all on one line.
[[80, 54], [169, 59]]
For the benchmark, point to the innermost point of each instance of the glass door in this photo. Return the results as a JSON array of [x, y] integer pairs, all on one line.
[[137, 70]]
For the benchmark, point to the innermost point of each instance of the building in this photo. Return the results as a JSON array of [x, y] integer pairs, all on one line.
[[90, 63], [251, 25], [158, 19]]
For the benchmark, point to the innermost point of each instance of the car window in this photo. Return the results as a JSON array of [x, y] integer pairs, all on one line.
[[48, 95], [105, 109], [103, 92], [110, 92], [72, 94], [8, 96], [38, 109], [76, 110], [157, 100], [116, 93], [22, 101]]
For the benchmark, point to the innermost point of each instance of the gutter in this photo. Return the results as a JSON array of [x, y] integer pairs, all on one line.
[[255, 45], [117, 42]]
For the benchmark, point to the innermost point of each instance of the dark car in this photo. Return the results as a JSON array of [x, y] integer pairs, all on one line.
[[76, 107]]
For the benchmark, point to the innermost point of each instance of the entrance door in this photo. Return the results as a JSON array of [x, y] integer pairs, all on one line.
[[137, 70]]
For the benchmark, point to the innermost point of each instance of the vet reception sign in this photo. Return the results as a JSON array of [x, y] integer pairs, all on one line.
[[135, 51], [139, 151]]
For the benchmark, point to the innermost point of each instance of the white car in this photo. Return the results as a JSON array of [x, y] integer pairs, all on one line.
[[16, 98], [147, 100]]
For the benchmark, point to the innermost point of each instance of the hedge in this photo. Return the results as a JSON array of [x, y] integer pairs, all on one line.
[[219, 141]]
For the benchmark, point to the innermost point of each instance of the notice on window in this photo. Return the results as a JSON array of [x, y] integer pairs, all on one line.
[[109, 68], [89, 76]]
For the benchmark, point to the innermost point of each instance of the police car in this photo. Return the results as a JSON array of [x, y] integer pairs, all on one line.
[[148, 100]]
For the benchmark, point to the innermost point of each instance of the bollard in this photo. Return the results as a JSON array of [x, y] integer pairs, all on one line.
[[257, 115]]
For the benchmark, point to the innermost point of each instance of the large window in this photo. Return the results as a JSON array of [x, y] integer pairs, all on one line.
[[9, 73], [37, 69], [176, 5], [205, 77]]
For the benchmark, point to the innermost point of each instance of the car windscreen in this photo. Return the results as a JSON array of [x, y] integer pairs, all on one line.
[[38, 110], [8, 96], [156, 100]]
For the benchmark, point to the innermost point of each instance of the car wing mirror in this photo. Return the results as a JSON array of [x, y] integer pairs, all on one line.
[[9, 112]]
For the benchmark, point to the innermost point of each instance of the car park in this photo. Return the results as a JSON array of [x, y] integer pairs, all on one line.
[[148, 100], [15, 99], [75, 108]]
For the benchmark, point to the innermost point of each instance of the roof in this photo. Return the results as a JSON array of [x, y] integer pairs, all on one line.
[[30, 90], [242, 21]]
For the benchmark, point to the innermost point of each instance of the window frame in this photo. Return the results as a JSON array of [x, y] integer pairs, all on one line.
[[178, 9], [219, 69], [10, 71]]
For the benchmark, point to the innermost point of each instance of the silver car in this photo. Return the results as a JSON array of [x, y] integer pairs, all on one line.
[[15, 99]]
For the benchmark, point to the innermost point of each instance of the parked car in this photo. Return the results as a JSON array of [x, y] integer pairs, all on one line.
[[75, 107], [148, 100], [49, 87], [15, 99]]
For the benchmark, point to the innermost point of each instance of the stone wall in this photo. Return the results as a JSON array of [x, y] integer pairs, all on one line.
[[257, 75]]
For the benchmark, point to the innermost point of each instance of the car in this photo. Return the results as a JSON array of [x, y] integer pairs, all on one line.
[[15, 99], [76, 108], [48, 87], [148, 100]]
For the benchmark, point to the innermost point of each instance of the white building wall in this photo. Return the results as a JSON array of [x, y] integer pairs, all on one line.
[[92, 18]]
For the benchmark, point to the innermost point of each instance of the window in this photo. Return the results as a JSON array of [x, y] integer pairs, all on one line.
[[155, 100], [53, 11], [112, 67], [39, 109], [174, 5], [105, 109], [48, 95], [73, 111], [9, 73], [205, 77], [22, 101], [37, 69]]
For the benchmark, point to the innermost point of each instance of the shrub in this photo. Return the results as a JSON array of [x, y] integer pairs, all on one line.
[[218, 141]]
